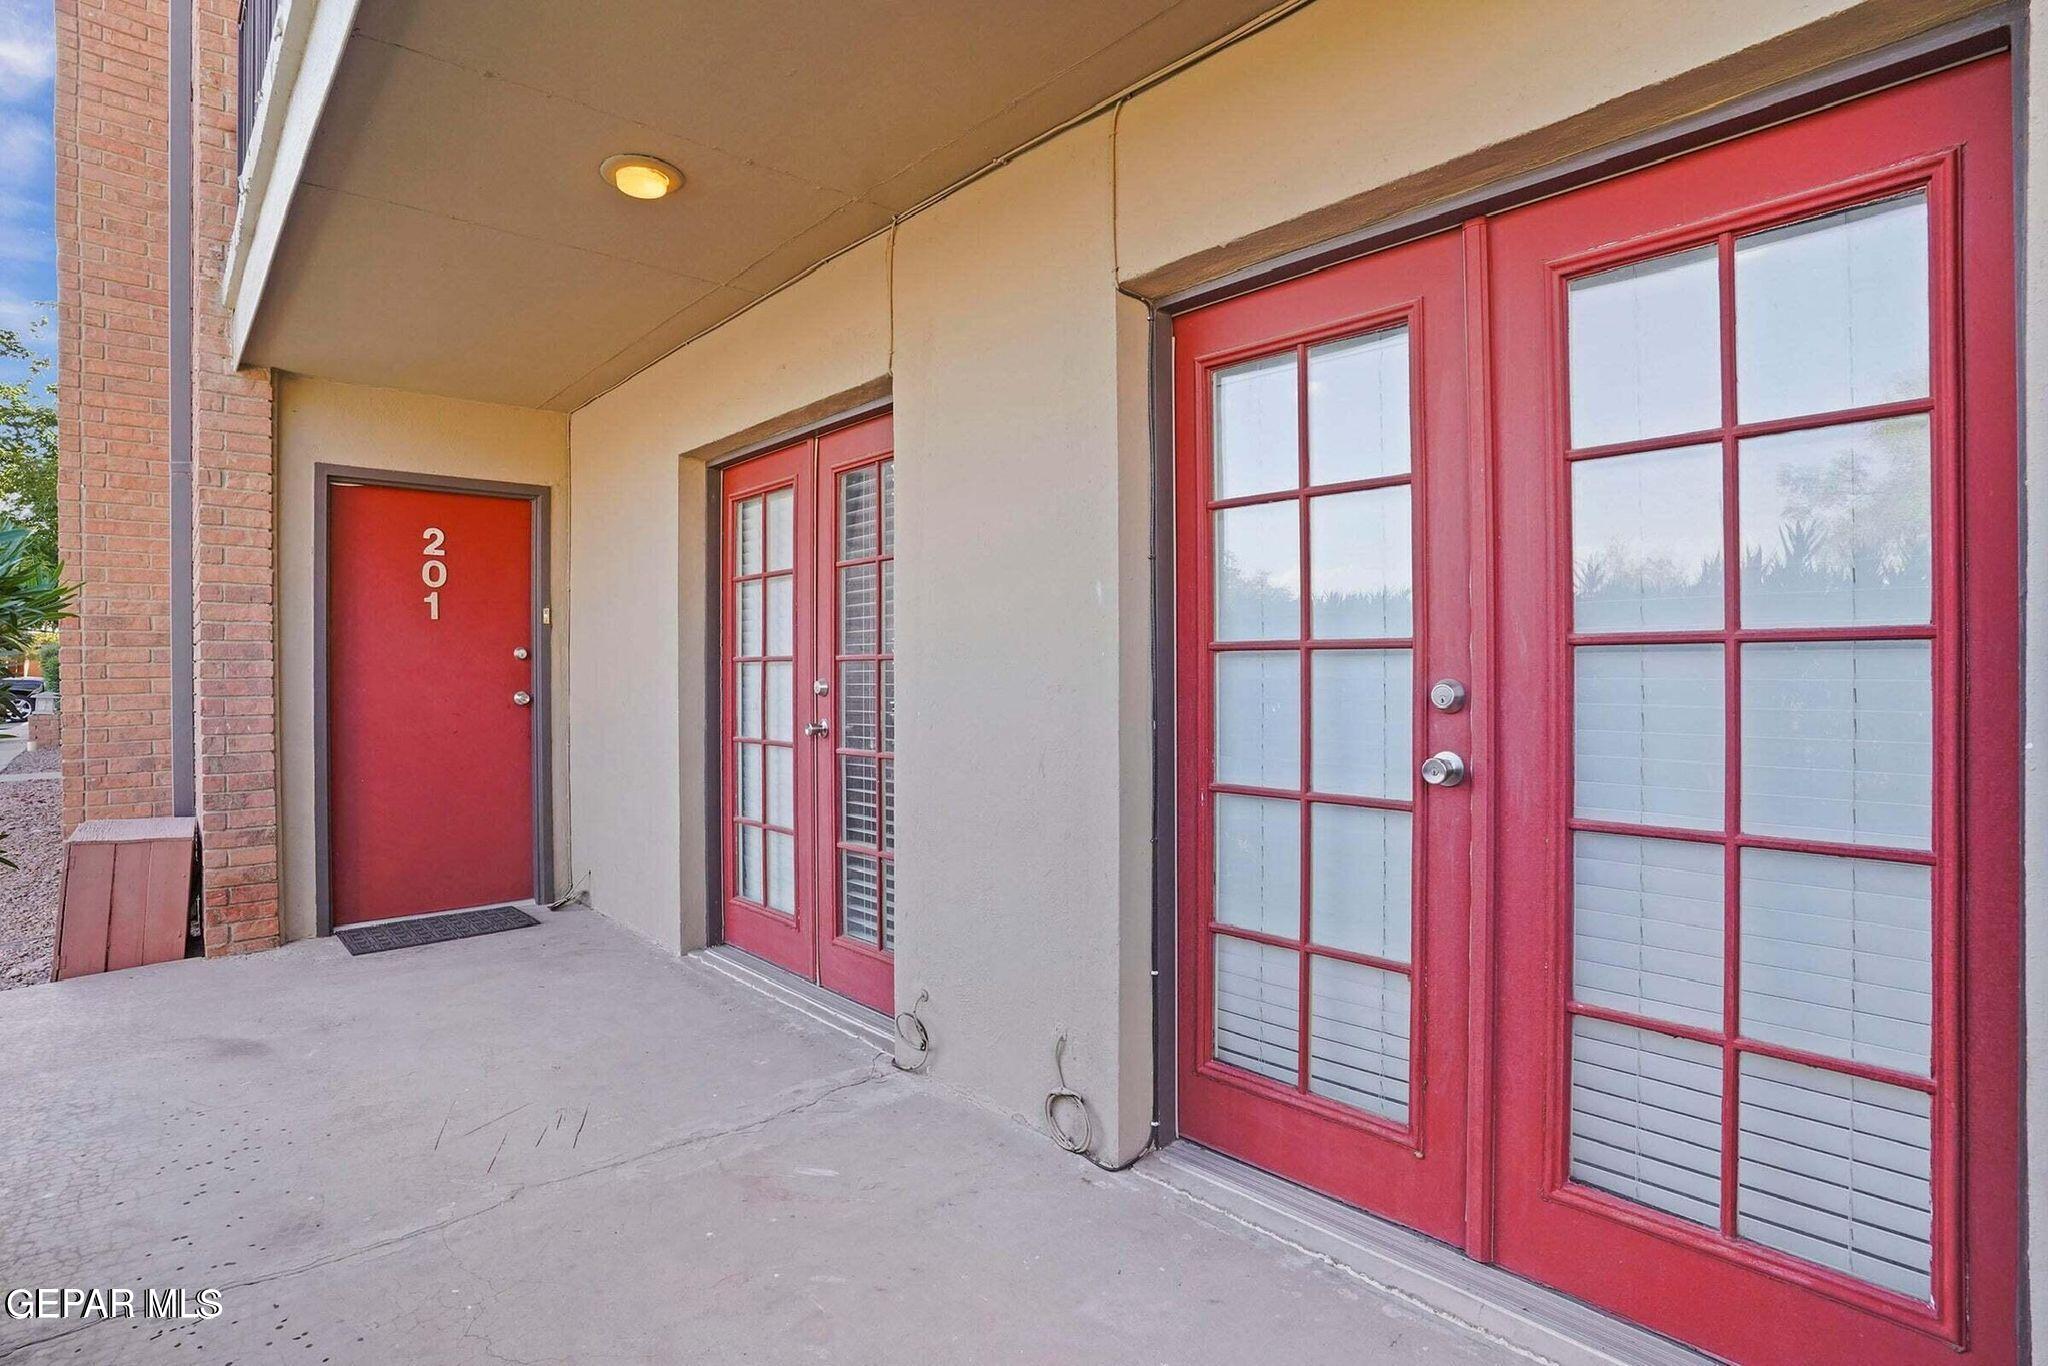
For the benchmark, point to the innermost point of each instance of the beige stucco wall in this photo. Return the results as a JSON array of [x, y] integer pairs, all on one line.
[[637, 692], [1021, 384], [1023, 627], [323, 423], [1347, 111]]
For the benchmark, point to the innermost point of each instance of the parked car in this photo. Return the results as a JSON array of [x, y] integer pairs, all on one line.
[[18, 698]]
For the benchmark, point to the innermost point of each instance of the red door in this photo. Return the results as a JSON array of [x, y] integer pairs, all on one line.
[[1756, 427], [1323, 532], [1728, 907], [808, 631], [430, 727]]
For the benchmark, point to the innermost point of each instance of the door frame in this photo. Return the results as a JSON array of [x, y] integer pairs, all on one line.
[[775, 437], [1999, 29], [325, 478]]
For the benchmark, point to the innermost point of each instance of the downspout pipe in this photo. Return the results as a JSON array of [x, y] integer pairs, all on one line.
[[184, 784]]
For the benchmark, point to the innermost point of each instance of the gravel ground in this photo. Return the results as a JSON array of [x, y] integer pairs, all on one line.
[[44, 760], [30, 821]]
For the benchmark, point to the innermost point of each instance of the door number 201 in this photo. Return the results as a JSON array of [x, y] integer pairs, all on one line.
[[434, 568]]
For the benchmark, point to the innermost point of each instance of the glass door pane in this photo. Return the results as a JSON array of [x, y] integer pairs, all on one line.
[[865, 661], [1753, 966], [764, 627], [1313, 743]]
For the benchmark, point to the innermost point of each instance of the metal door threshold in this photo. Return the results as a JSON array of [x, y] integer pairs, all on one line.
[[1518, 1313], [806, 998]]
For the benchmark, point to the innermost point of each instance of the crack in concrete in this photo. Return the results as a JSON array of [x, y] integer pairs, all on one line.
[[697, 1138], [489, 1122]]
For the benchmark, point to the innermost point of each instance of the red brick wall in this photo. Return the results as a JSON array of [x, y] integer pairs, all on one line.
[[113, 170], [113, 400], [234, 529]]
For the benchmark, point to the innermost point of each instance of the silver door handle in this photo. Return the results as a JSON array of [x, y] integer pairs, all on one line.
[[522, 697], [818, 728], [1443, 769]]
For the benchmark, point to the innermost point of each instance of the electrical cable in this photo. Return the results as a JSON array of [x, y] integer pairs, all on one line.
[[1066, 1095], [907, 1023], [578, 894]]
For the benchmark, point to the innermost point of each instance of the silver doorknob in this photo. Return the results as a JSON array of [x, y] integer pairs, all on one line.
[[818, 728], [522, 697], [519, 652], [1443, 769]]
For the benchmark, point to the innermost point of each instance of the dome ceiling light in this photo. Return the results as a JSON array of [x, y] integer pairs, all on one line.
[[641, 177]]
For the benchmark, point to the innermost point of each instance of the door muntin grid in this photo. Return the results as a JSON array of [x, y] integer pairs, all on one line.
[[1307, 499], [1752, 1040], [762, 596], [864, 677]]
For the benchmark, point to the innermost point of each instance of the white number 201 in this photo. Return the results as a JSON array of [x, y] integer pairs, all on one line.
[[434, 568]]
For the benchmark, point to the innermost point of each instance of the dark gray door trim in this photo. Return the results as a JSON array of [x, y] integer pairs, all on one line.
[[714, 703], [1990, 31], [1165, 734], [325, 477]]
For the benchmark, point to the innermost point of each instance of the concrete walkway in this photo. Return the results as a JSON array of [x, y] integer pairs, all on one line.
[[561, 1145]]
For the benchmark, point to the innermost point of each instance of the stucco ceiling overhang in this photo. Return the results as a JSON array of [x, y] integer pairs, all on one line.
[[450, 232]]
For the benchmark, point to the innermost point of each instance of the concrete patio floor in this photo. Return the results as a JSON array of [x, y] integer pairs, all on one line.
[[562, 1145]]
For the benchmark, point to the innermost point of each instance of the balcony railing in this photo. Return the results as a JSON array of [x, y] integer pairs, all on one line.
[[258, 31]]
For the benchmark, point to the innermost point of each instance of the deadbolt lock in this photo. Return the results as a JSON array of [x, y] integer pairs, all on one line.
[[519, 652], [522, 697], [1447, 695]]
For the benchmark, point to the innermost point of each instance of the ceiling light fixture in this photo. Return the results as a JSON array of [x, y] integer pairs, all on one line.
[[641, 177]]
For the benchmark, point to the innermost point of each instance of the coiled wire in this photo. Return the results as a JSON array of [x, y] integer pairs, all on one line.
[[1064, 1096]]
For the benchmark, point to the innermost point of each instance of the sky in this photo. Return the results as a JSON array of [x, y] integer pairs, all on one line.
[[28, 242]]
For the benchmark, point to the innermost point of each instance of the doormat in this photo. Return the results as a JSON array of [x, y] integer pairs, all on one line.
[[433, 929]]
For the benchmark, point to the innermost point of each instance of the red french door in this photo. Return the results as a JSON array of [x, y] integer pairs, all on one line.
[[1756, 424], [1323, 535], [808, 631], [1698, 998]]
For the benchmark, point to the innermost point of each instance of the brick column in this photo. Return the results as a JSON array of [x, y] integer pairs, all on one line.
[[114, 384], [113, 476], [234, 536]]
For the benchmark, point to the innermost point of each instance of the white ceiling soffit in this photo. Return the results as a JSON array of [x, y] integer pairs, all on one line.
[[450, 232]]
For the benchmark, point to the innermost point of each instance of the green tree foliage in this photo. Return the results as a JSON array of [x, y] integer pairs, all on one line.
[[33, 594], [28, 452]]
